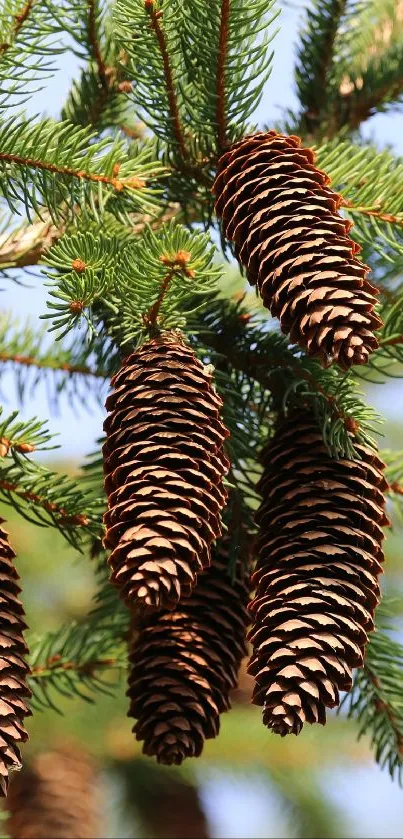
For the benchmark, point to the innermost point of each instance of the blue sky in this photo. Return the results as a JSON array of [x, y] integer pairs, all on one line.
[[374, 805]]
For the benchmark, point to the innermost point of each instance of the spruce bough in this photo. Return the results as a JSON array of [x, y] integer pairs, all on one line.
[[211, 412]]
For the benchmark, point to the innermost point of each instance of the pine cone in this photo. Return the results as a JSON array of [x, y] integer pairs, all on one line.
[[317, 574], [54, 798], [13, 669], [279, 210], [184, 664], [164, 465]]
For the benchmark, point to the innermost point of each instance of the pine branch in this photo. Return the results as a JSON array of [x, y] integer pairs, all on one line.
[[371, 184], [93, 13], [315, 68], [225, 46], [71, 370], [22, 437], [50, 499], [283, 370], [376, 700], [146, 286], [60, 166], [25, 49]]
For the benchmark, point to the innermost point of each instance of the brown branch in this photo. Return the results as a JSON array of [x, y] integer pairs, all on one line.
[[176, 264], [395, 487], [221, 116], [78, 519], [155, 17], [387, 217], [134, 182], [96, 51], [87, 668], [392, 342], [65, 367], [19, 20]]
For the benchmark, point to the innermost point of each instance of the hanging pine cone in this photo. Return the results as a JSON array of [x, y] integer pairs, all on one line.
[[184, 664], [317, 574], [164, 465], [55, 798], [278, 209], [13, 668]]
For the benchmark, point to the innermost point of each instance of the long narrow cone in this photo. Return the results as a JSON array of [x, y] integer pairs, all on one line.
[[282, 215], [164, 467], [320, 554]]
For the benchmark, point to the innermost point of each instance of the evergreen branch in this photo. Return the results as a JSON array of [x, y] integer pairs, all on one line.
[[73, 370], [61, 166], [19, 19], [94, 44], [376, 700], [225, 47], [22, 437], [221, 81], [371, 184], [266, 357], [24, 46], [315, 69], [50, 499], [76, 660], [155, 14]]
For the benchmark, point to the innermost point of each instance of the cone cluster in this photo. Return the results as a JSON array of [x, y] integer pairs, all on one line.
[[54, 798], [280, 212], [164, 467], [184, 664], [320, 554], [14, 691]]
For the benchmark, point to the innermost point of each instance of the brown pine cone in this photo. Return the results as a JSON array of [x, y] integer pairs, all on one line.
[[164, 467], [13, 668], [54, 798], [320, 553], [184, 664], [278, 209]]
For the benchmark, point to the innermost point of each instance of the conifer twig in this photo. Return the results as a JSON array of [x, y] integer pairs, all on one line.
[[49, 364], [64, 518], [221, 93], [19, 20], [155, 17], [118, 184], [94, 44]]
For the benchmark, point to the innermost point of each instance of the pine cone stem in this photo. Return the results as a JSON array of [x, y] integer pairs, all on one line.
[[320, 554], [185, 663], [282, 216], [14, 691], [164, 467]]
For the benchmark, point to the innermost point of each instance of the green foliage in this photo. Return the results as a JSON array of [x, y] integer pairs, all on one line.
[[65, 370], [315, 71], [148, 34], [376, 700], [371, 182], [141, 286], [49, 499], [27, 52], [224, 83], [62, 167]]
